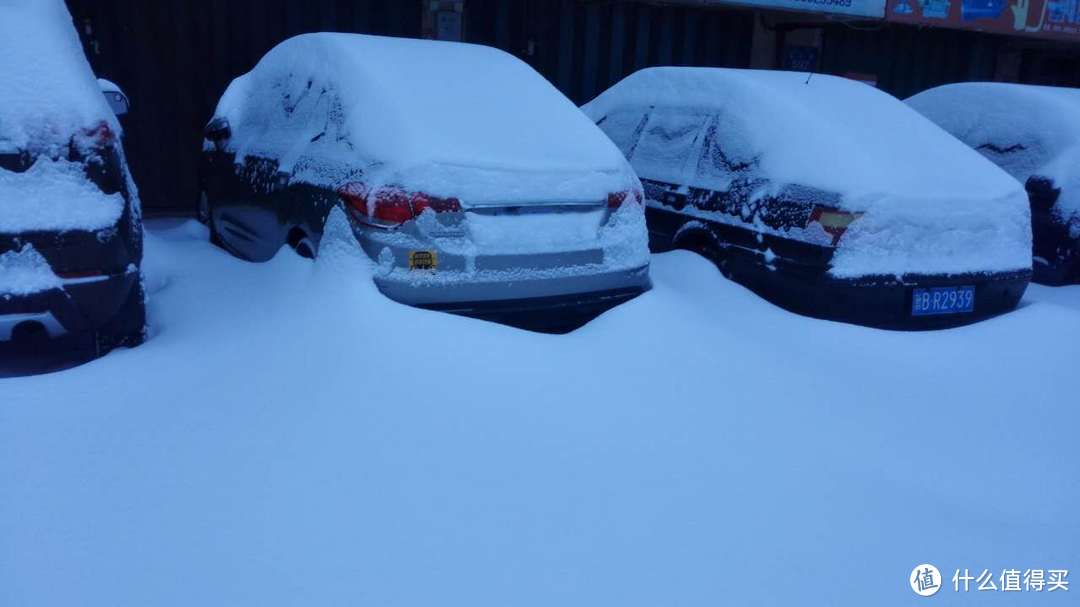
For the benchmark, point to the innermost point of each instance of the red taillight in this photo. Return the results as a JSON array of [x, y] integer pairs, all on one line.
[[834, 222], [393, 206], [615, 200], [355, 196], [422, 202], [101, 135]]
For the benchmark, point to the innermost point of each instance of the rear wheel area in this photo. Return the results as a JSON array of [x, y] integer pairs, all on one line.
[[704, 245], [300, 242], [204, 213]]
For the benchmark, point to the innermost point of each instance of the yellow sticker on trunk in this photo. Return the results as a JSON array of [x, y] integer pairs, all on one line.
[[423, 260]]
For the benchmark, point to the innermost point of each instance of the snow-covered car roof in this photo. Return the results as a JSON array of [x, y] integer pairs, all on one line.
[[48, 90], [1021, 127], [819, 131], [411, 105], [1027, 130]]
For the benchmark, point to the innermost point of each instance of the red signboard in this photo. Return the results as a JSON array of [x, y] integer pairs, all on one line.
[[1043, 18]]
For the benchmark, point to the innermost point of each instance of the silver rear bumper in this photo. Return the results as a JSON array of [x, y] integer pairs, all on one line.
[[450, 287]]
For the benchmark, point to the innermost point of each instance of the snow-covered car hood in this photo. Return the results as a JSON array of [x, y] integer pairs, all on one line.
[[418, 110]]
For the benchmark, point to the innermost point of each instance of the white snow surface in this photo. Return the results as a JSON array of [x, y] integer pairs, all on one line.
[[929, 203], [55, 195], [450, 119], [288, 436], [1045, 120], [25, 272], [49, 92], [820, 131]]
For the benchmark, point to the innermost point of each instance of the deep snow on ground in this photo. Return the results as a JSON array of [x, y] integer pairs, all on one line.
[[289, 437]]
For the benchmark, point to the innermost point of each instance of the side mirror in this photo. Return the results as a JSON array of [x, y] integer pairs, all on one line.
[[218, 130], [118, 101]]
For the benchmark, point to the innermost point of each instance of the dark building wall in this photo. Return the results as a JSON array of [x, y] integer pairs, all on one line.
[[174, 58], [906, 60]]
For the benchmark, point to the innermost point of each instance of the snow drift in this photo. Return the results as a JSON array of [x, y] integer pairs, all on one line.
[[451, 119], [929, 204]]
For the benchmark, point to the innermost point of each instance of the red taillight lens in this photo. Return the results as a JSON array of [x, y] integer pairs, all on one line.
[[834, 222], [393, 206], [615, 200], [421, 202], [355, 196], [101, 135]]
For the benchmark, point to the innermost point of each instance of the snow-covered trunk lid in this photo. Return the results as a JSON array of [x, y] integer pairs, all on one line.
[[933, 236]]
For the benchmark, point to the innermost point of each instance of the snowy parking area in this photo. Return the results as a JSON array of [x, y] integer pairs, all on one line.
[[288, 436]]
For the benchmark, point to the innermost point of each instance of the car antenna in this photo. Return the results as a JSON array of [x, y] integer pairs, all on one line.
[[808, 77]]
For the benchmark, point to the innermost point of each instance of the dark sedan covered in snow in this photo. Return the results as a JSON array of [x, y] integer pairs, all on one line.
[[70, 228], [472, 183], [1032, 132], [824, 195]]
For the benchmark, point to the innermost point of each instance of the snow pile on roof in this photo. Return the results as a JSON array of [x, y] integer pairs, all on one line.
[[453, 119], [54, 195], [1027, 130], [24, 272], [929, 203], [819, 131], [49, 92]]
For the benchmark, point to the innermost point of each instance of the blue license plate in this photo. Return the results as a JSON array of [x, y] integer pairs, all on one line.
[[943, 300]]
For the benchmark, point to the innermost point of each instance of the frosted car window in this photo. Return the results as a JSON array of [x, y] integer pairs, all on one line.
[[1019, 159], [726, 153], [623, 128], [668, 141]]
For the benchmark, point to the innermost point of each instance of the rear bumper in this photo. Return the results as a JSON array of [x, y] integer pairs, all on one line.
[[558, 314], [883, 301], [75, 318], [553, 304]]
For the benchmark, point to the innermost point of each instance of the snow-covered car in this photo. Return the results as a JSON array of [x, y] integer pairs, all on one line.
[[822, 194], [70, 226], [472, 183], [1033, 133]]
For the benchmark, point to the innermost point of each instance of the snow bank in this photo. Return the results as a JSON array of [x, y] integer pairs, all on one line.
[[1027, 130], [290, 437], [456, 120], [49, 92], [929, 204], [25, 272], [55, 195]]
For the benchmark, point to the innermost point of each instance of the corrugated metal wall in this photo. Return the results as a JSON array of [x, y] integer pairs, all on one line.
[[174, 58], [906, 60]]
